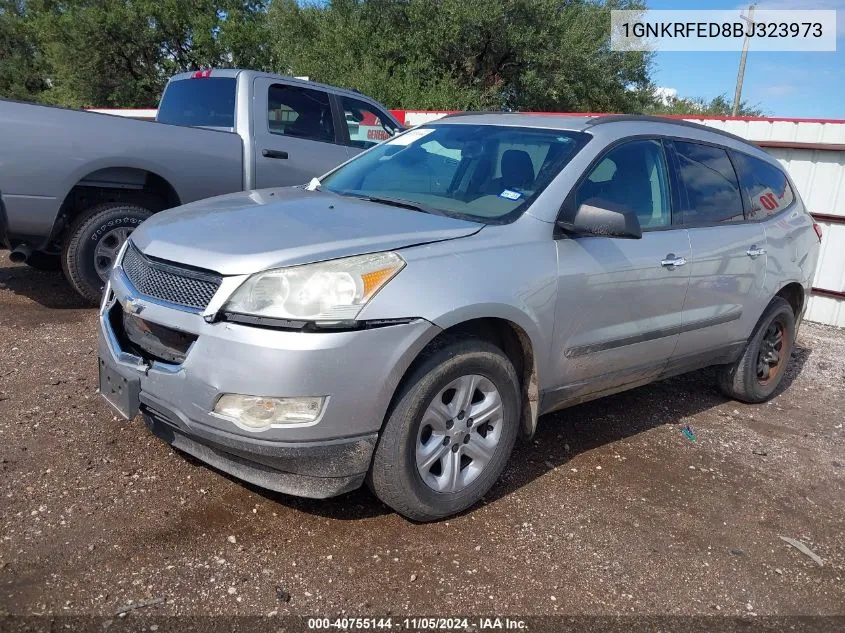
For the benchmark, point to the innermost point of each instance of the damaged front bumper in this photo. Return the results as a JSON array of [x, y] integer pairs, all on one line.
[[304, 469], [177, 399]]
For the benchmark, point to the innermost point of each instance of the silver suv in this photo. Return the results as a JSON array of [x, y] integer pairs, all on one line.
[[404, 319]]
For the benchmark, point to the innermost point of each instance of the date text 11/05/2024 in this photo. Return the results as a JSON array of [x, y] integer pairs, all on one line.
[[418, 624]]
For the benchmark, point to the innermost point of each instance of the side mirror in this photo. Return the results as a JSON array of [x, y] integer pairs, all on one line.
[[603, 218]]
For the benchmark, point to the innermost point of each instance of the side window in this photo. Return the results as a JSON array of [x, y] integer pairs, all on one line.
[[766, 186], [632, 175], [300, 112], [709, 180], [367, 126]]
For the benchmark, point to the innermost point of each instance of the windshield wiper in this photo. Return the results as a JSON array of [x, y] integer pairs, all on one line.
[[394, 202]]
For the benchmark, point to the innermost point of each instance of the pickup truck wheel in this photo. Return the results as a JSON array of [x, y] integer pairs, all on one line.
[[756, 375], [450, 432], [93, 242], [40, 260]]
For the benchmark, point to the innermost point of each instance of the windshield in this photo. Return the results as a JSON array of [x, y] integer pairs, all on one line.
[[485, 173], [201, 102]]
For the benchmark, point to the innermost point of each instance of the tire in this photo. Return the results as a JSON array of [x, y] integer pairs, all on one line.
[[39, 260], [106, 226], [395, 477], [755, 377]]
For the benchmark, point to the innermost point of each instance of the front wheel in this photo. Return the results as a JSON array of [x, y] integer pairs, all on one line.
[[756, 375], [449, 433], [92, 244]]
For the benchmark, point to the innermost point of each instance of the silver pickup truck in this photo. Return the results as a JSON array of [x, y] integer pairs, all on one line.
[[74, 184]]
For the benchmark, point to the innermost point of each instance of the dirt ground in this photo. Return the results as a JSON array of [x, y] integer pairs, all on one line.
[[610, 510]]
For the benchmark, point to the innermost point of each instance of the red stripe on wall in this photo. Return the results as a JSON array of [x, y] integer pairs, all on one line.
[[836, 294], [826, 217], [831, 147]]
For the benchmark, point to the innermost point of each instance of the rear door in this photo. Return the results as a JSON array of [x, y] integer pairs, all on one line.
[[619, 301], [728, 268], [296, 138], [790, 239]]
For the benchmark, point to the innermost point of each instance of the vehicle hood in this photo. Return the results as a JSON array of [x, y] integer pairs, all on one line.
[[249, 231]]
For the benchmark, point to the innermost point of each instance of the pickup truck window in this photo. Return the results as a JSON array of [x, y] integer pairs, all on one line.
[[300, 112], [367, 126], [203, 102]]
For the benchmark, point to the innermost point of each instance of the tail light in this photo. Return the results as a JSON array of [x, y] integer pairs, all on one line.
[[202, 74], [818, 229]]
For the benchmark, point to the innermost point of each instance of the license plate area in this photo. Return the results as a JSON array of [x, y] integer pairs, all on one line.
[[123, 394]]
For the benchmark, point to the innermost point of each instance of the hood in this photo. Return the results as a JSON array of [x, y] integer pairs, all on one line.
[[249, 231]]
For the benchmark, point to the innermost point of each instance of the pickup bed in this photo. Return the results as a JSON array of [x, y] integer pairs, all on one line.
[[74, 184]]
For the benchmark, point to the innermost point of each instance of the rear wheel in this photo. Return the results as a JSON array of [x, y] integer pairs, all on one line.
[[758, 372], [93, 242], [449, 434]]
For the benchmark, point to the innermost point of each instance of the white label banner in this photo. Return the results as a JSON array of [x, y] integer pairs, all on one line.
[[702, 30]]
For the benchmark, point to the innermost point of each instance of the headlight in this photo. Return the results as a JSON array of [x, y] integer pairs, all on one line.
[[335, 290]]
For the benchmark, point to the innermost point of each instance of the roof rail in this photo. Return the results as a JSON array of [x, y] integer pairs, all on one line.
[[615, 118], [453, 115]]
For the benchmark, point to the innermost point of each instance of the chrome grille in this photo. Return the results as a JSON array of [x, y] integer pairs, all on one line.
[[169, 282]]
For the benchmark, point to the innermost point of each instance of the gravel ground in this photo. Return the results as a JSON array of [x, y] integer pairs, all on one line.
[[611, 510]]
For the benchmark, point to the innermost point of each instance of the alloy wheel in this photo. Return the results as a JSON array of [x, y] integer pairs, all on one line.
[[459, 433]]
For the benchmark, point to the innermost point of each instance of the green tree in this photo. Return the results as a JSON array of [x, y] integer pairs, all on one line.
[[463, 54], [718, 106], [120, 53], [551, 55], [22, 74]]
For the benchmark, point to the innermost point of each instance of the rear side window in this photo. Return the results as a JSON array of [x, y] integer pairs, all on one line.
[[367, 126], [204, 102], [765, 185], [711, 191], [300, 112]]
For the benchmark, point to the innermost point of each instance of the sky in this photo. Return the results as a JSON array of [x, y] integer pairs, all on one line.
[[800, 85]]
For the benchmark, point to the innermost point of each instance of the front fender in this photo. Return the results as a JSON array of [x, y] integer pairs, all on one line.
[[502, 272]]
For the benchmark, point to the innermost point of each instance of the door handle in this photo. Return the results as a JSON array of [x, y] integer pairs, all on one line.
[[755, 251], [273, 153], [672, 261]]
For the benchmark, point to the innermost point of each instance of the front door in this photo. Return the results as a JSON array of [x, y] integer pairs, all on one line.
[[619, 301], [295, 135]]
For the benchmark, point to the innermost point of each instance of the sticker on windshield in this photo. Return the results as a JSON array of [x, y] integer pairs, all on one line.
[[510, 195], [410, 136]]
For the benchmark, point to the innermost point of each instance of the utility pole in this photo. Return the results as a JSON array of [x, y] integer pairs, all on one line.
[[741, 74]]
